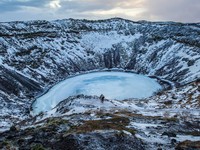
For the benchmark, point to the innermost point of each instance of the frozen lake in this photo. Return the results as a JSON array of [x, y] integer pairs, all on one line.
[[113, 85]]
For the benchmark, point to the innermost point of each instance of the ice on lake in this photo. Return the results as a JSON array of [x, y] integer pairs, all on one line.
[[113, 85]]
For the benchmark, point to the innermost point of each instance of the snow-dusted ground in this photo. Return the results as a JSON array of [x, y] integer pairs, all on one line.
[[148, 117], [114, 85], [41, 53]]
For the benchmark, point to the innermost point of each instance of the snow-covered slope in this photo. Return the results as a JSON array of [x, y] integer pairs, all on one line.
[[35, 55], [41, 49]]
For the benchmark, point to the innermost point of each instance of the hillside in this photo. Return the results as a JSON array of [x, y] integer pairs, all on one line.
[[35, 55]]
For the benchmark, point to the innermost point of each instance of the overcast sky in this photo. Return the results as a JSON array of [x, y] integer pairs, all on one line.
[[152, 10]]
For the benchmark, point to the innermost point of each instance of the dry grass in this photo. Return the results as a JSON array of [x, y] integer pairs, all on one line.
[[140, 116], [115, 123], [193, 145]]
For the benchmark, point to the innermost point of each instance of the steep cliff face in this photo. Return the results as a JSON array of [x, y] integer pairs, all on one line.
[[34, 55]]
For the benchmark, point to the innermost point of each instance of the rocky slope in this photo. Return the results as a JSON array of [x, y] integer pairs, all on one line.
[[35, 55]]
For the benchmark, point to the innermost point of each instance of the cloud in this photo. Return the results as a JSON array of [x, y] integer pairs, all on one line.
[[176, 10], [14, 5], [55, 4], [154, 10], [93, 5], [100, 9]]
